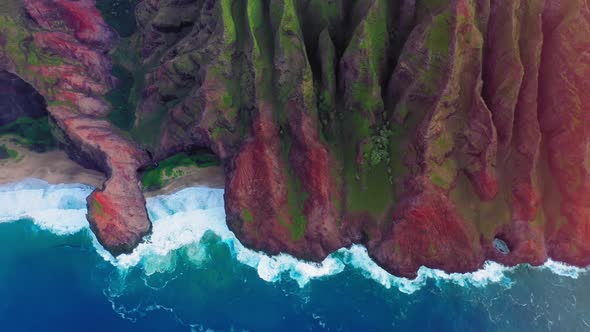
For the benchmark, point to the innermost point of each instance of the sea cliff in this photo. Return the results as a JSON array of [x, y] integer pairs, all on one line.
[[436, 133]]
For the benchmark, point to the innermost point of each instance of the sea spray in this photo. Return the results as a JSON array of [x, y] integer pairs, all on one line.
[[182, 219], [60, 209]]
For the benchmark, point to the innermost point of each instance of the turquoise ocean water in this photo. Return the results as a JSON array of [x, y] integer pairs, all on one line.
[[194, 275]]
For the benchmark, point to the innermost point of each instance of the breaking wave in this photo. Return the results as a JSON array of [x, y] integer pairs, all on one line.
[[180, 220]]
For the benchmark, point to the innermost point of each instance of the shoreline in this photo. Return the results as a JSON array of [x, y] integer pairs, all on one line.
[[206, 177], [169, 235], [489, 272], [55, 167]]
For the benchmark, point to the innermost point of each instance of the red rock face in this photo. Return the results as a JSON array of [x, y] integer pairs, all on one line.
[[565, 124], [427, 138], [259, 179], [429, 231], [256, 167], [78, 18], [75, 32]]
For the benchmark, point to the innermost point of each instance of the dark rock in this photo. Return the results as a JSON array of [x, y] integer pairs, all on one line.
[[434, 136], [18, 99], [501, 246]]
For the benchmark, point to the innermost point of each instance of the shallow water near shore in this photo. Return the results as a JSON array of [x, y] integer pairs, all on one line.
[[194, 275]]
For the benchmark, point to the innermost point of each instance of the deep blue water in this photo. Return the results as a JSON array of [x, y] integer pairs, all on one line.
[[54, 277]]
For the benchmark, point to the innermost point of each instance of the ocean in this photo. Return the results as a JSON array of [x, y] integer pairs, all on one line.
[[192, 274]]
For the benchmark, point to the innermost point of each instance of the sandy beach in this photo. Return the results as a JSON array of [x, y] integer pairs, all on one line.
[[55, 167], [211, 177]]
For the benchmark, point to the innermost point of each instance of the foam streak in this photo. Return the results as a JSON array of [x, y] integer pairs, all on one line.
[[183, 218]]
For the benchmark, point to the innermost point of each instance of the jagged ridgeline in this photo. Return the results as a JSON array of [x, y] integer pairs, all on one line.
[[294, 95], [425, 130], [409, 126], [321, 109]]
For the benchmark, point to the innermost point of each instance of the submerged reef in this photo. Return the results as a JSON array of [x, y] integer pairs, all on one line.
[[438, 133]]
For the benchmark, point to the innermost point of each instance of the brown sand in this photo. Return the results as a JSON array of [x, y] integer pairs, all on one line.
[[211, 177], [55, 167]]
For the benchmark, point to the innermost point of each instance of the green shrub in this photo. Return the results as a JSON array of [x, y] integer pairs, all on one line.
[[35, 134], [155, 177]]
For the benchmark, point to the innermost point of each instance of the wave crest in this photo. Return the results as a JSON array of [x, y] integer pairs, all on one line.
[[182, 219]]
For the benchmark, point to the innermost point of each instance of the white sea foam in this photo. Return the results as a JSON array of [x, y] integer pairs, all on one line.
[[60, 209], [564, 270], [180, 220]]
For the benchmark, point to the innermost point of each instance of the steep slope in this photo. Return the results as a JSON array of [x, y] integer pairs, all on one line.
[[60, 49], [437, 133]]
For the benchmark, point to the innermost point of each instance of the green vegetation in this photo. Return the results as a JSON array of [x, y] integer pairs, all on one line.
[[432, 6], [14, 34], [119, 14], [320, 13], [228, 22], [377, 31], [168, 169], [378, 150], [485, 216], [35, 134], [247, 216], [147, 131], [370, 192], [296, 200], [326, 103], [127, 55], [276, 87], [19, 48], [123, 113], [130, 71], [439, 38], [367, 185], [296, 196], [218, 132], [263, 50], [7, 153], [367, 150], [36, 57], [290, 48], [98, 208], [290, 84], [442, 174]]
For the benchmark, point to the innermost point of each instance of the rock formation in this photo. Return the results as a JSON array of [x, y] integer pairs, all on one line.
[[17, 99], [60, 48], [429, 131]]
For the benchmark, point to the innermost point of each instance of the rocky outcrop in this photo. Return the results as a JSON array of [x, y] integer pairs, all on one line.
[[17, 99], [61, 52], [564, 120], [437, 133]]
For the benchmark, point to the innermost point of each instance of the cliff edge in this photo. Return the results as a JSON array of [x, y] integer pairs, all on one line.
[[436, 133]]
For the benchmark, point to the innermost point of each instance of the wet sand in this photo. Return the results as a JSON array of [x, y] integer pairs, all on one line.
[[55, 167], [210, 177]]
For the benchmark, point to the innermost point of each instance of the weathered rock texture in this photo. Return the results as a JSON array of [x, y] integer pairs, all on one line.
[[421, 129], [17, 99], [60, 48]]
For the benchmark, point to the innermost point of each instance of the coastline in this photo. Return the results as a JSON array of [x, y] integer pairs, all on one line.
[[52, 166], [55, 167], [209, 177], [182, 220], [185, 247]]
